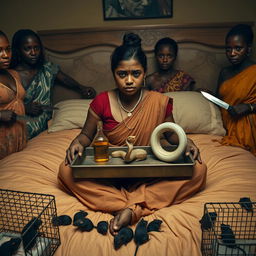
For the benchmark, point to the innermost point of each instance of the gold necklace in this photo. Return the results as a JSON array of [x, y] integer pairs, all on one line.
[[123, 120], [129, 112]]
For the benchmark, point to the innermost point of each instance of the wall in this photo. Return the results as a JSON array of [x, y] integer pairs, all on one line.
[[63, 14]]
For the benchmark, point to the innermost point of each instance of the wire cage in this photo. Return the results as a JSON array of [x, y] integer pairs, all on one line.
[[29, 216], [230, 231]]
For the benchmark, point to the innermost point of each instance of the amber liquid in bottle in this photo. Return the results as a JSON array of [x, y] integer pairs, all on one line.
[[100, 145]]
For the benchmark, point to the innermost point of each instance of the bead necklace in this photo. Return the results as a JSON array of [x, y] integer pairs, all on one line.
[[129, 112]]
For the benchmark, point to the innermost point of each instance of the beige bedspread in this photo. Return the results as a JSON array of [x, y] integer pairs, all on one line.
[[231, 175]]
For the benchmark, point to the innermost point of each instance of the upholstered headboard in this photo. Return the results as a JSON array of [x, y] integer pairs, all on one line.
[[85, 53]]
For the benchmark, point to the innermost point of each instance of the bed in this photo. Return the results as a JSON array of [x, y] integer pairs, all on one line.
[[84, 54]]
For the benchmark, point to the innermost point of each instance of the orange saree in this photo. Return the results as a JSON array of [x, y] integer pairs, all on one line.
[[150, 113], [12, 136], [142, 198], [241, 131]]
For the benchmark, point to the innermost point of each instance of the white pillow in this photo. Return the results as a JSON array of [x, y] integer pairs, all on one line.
[[70, 115], [195, 114]]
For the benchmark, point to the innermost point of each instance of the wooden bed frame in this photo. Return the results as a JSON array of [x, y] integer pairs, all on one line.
[[85, 53]]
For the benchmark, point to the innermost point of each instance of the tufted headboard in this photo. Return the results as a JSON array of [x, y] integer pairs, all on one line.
[[84, 54]]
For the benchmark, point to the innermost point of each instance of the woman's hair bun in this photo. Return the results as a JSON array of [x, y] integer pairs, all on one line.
[[131, 39]]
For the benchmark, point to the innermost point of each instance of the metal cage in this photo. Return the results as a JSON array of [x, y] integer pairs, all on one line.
[[29, 216], [231, 230]]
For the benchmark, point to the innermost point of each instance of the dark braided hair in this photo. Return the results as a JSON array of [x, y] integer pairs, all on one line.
[[17, 41], [130, 49], [243, 30], [168, 42]]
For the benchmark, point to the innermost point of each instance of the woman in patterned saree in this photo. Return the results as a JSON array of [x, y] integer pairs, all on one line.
[[167, 78], [38, 76]]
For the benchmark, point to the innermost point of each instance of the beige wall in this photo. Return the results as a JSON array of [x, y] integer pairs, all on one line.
[[63, 14]]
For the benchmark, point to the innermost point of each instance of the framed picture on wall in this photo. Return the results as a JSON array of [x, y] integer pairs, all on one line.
[[136, 9]]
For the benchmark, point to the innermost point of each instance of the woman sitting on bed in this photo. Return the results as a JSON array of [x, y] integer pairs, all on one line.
[[129, 110], [237, 86], [168, 79], [38, 76], [12, 132]]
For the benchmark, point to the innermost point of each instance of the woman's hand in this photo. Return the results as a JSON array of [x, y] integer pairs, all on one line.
[[88, 92], [193, 149], [7, 116], [33, 109], [240, 110], [75, 148]]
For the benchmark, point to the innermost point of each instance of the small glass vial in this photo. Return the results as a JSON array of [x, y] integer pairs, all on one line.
[[100, 145]]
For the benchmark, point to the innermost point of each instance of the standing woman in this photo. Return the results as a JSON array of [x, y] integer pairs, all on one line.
[[38, 76], [237, 86], [12, 132]]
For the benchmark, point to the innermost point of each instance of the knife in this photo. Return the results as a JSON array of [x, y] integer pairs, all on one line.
[[217, 101]]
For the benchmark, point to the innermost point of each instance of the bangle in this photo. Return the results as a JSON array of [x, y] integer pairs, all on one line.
[[252, 108]]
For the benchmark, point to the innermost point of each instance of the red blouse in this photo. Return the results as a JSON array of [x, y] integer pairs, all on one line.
[[101, 106]]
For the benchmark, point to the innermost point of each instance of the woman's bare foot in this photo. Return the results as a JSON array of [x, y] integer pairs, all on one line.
[[122, 219]]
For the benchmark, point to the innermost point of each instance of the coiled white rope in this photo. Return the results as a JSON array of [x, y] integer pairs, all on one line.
[[157, 148]]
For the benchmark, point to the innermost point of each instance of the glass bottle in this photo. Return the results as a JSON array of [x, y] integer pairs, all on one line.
[[100, 145]]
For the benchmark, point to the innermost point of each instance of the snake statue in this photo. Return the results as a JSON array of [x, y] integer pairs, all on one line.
[[132, 154]]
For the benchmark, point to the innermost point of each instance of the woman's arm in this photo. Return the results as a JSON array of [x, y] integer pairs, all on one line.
[[84, 139], [69, 82], [242, 109], [238, 110]]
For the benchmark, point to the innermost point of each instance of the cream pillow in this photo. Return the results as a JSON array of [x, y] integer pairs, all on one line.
[[70, 115], [195, 114], [191, 111]]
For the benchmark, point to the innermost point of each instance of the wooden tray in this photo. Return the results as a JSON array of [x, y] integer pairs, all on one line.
[[86, 167]]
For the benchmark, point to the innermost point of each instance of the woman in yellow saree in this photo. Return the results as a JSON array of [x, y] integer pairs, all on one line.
[[237, 87]]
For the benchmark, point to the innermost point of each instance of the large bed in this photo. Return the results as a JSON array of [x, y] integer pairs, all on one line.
[[84, 54]]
